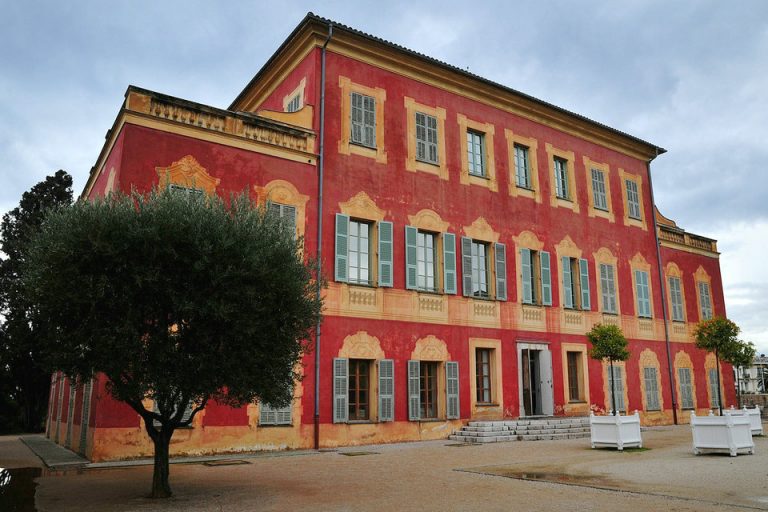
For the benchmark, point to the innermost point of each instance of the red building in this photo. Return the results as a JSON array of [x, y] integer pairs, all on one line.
[[471, 235]]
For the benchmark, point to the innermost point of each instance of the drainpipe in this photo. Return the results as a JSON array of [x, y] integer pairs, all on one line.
[[663, 295], [320, 169]]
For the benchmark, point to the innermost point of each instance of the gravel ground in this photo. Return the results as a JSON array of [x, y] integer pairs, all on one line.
[[561, 475]]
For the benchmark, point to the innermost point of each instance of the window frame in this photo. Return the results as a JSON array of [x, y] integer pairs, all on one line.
[[641, 221], [706, 309], [346, 145], [610, 294], [483, 375], [476, 149], [676, 303], [533, 191], [430, 146], [557, 200], [486, 132], [358, 364]]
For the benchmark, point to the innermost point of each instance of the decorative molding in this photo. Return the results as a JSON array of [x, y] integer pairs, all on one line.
[[567, 247], [111, 186], [649, 359], [411, 163], [361, 206], [572, 203], [361, 345], [176, 112], [592, 211], [283, 192], [526, 239], [430, 348], [490, 180], [533, 163], [346, 147], [641, 223], [481, 230], [187, 172], [428, 220]]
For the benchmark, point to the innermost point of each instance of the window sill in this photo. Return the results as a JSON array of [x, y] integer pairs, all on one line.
[[611, 313], [486, 404], [361, 145], [361, 422], [645, 317], [430, 420], [362, 285], [435, 164], [521, 187], [270, 425], [577, 402], [431, 292], [478, 297]]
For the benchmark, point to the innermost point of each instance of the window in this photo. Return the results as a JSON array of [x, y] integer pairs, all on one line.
[[353, 398], [476, 153], [428, 390], [705, 301], [616, 385], [269, 415], [356, 260], [651, 389], [633, 200], [426, 138], [676, 299], [686, 388], [522, 167], [575, 283], [188, 408], [363, 120], [483, 375], [421, 261], [643, 294], [294, 104], [561, 178], [285, 212], [187, 191], [575, 379], [477, 271], [714, 396], [608, 288], [425, 380], [536, 277], [598, 189]]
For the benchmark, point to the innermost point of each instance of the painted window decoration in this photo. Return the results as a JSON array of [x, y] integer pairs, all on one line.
[[575, 283], [536, 277], [643, 293], [426, 268], [705, 300], [714, 397], [423, 389], [651, 389], [185, 191], [362, 247], [294, 105], [562, 187], [575, 391], [686, 388], [478, 271], [426, 138], [286, 213], [359, 389], [484, 393], [608, 288], [598, 190], [522, 167], [633, 200], [476, 153], [269, 415], [353, 389], [616, 385], [422, 269], [676, 296], [363, 120]]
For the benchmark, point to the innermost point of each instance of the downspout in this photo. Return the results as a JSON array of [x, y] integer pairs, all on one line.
[[320, 169], [663, 295]]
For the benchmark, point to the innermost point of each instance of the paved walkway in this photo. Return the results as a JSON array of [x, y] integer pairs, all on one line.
[[439, 475], [53, 455]]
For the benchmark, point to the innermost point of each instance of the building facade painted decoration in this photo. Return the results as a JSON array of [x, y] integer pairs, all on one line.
[[471, 236]]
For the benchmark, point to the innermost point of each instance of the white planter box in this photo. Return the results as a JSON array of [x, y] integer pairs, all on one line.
[[722, 433], [616, 431], [755, 420]]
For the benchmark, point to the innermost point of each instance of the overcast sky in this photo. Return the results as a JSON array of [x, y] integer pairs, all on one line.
[[690, 76]]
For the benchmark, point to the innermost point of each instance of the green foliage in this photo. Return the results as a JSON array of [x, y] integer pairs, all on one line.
[[721, 336], [608, 342], [24, 382], [175, 298]]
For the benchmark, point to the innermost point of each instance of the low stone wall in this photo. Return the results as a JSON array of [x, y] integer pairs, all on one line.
[[751, 400]]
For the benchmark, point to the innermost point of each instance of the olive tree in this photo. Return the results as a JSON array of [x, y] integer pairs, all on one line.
[[176, 298], [721, 336], [608, 342]]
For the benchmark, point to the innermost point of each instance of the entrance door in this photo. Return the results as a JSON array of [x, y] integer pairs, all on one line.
[[536, 396]]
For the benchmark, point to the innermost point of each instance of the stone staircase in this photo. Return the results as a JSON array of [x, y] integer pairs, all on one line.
[[540, 429]]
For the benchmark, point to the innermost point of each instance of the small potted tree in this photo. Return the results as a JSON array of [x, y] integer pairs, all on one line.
[[732, 432], [608, 342]]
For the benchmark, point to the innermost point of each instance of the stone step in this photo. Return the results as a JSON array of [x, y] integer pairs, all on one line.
[[536, 429]]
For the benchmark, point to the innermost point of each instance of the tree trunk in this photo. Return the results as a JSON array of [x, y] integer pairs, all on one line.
[[719, 395], [160, 486], [613, 389]]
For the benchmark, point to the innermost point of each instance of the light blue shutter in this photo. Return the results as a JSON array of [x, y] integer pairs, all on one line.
[[410, 257], [414, 397], [267, 415], [500, 256], [449, 263], [546, 278], [527, 268], [715, 402], [386, 390], [686, 391], [340, 390], [565, 261], [452, 390], [618, 386], [651, 389], [385, 253], [342, 248], [466, 266], [584, 283]]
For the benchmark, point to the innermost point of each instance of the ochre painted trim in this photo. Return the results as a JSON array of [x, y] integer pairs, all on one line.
[[361, 206], [592, 211], [701, 276], [649, 359], [188, 173], [487, 129], [346, 147], [572, 202], [642, 223], [283, 192], [582, 406], [607, 383], [299, 90], [533, 163], [604, 256], [411, 163], [497, 391]]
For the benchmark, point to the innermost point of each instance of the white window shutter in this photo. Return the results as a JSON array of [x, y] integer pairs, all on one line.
[[414, 391], [452, 390], [500, 257], [449, 263], [386, 390], [340, 390], [546, 278], [342, 248], [385, 253], [410, 257], [584, 283], [466, 265]]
